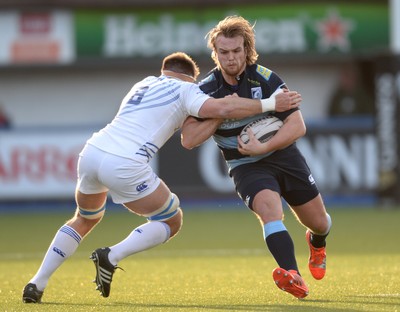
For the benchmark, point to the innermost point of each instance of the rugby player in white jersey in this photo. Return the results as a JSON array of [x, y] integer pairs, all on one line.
[[116, 159]]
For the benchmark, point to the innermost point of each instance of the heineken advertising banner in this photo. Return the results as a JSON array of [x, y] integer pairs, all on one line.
[[281, 29], [387, 99]]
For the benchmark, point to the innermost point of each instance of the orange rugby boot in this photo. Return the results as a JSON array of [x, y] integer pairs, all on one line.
[[317, 259], [291, 282]]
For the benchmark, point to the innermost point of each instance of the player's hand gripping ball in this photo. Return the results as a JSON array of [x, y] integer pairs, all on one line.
[[263, 129]]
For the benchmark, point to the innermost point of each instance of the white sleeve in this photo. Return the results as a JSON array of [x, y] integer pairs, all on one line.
[[193, 98]]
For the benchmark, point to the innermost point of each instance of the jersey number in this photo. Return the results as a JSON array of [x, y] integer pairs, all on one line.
[[138, 96]]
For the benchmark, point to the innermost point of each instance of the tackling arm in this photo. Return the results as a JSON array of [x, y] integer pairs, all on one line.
[[238, 107]]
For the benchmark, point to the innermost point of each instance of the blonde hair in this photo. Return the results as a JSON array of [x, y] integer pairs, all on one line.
[[230, 27]]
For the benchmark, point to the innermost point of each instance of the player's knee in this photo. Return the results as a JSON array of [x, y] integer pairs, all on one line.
[[170, 213], [175, 223], [328, 223], [92, 214], [323, 226], [167, 211]]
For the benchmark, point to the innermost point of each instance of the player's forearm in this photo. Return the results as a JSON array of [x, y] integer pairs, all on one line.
[[241, 108], [232, 107], [292, 129], [281, 100], [237, 107], [194, 132]]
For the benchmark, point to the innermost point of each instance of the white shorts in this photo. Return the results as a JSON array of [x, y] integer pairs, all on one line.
[[125, 179]]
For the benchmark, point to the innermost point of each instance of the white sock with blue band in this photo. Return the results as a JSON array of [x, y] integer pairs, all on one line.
[[144, 237], [64, 244]]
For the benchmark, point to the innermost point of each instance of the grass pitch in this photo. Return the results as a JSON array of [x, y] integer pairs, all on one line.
[[218, 262]]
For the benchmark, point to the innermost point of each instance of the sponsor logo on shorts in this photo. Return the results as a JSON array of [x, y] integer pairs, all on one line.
[[311, 179], [141, 187], [62, 254]]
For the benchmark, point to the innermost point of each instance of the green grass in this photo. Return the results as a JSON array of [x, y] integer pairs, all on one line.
[[218, 262]]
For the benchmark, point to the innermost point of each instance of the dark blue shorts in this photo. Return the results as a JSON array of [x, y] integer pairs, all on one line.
[[285, 171]]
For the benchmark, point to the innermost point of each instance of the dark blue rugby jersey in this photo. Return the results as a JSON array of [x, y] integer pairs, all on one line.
[[256, 82]]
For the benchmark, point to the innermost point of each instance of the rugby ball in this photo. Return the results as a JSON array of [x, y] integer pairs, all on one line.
[[263, 129]]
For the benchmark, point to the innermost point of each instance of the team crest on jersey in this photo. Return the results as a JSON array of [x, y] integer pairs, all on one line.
[[256, 93], [264, 72]]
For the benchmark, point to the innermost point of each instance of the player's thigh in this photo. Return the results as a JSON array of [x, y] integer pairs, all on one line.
[[90, 201], [130, 181], [150, 202], [256, 184], [312, 214], [90, 192]]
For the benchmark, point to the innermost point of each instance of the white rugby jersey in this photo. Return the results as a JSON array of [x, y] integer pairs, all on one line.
[[148, 116]]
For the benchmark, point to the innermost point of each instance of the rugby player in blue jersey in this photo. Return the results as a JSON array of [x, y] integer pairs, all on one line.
[[263, 173]]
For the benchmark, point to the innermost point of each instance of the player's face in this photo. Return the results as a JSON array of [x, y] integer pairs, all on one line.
[[231, 55]]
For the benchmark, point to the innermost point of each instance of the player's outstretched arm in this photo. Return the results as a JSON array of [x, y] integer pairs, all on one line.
[[238, 107], [194, 131]]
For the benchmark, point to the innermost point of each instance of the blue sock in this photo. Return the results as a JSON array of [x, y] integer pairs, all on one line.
[[280, 245]]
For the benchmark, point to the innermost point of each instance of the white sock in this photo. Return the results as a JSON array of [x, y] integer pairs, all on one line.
[[64, 244], [144, 237]]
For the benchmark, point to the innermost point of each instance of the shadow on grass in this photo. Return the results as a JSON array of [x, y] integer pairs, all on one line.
[[129, 306], [378, 300]]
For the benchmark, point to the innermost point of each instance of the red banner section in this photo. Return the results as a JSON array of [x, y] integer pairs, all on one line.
[[38, 165]]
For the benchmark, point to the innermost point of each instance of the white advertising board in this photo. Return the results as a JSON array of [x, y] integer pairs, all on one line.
[[39, 164], [36, 37]]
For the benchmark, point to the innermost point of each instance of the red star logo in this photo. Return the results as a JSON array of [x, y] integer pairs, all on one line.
[[333, 32]]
